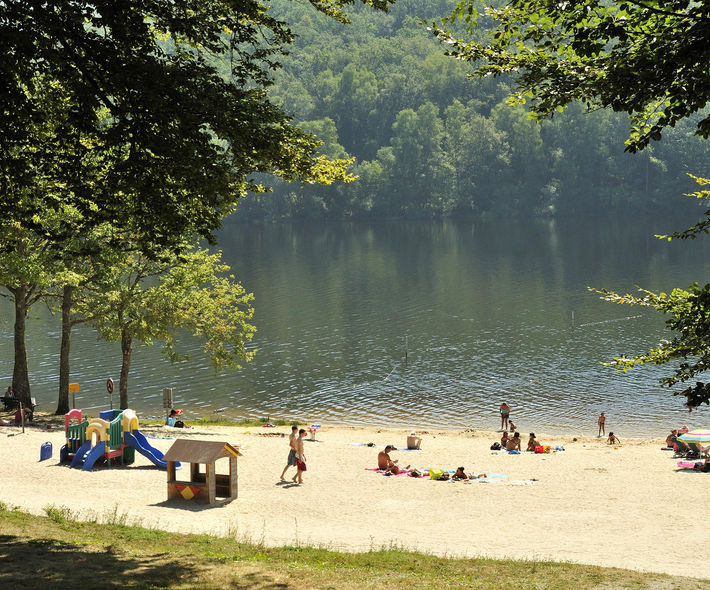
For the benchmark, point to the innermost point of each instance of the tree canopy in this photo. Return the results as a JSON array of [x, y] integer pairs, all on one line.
[[648, 58], [169, 96]]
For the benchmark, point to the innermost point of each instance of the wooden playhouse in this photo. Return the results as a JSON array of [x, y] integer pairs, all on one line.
[[208, 486]]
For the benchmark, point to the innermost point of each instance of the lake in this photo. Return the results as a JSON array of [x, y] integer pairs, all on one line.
[[421, 324]]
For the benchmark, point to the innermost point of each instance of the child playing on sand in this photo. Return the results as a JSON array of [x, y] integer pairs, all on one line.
[[613, 440]]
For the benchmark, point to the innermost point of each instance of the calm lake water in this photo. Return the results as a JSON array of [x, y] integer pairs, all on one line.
[[427, 324]]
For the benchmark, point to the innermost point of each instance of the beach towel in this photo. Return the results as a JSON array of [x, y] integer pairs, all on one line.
[[389, 473]]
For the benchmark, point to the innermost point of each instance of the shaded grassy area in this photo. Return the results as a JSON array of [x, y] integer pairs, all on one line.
[[42, 419], [56, 552]]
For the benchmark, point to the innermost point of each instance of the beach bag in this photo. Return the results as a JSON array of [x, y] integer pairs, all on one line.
[[539, 449], [495, 447], [548, 449], [436, 473]]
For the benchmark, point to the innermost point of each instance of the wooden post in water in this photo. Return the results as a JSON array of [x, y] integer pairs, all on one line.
[[406, 349]]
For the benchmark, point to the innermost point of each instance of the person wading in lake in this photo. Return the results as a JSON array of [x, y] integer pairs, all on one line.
[[504, 415], [602, 421]]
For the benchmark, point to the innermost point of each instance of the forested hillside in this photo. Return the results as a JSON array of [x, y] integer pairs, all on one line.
[[429, 141]]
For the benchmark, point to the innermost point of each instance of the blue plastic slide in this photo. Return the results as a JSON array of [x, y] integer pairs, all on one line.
[[93, 455], [140, 443], [79, 455]]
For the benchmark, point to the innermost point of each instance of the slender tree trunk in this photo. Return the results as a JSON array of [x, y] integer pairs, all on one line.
[[20, 373], [126, 349], [67, 301]]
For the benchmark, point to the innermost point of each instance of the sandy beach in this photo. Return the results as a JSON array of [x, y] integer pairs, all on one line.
[[624, 506]]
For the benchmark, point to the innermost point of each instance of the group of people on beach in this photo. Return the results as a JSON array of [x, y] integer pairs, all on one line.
[[513, 442]]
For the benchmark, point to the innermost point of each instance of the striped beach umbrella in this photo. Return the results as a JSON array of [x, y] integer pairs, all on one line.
[[696, 436]]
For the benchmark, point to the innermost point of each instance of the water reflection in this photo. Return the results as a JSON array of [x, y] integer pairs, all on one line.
[[419, 323]]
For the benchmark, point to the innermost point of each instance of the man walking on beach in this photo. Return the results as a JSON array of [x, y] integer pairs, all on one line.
[[602, 420], [300, 457], [292, 452]]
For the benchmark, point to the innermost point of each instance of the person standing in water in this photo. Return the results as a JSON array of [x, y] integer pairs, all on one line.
[[601, 421], [504, 415]]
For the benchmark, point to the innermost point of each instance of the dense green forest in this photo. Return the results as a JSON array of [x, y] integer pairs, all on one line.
[[430, 141]]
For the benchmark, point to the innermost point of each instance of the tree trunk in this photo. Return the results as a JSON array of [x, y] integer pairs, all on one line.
[[67, 301], [126, 349], [20, 373]]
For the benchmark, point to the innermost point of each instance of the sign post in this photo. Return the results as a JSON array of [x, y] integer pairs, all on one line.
[[109, 388], [167, 401], [73, 388]]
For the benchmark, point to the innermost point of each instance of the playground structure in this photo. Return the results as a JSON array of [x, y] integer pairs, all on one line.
[[114, 435], [208, 486]]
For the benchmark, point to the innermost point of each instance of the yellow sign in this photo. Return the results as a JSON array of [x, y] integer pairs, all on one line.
[[73, 387]]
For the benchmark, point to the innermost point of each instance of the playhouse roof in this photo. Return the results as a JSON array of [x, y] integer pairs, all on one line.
[[199, 451]]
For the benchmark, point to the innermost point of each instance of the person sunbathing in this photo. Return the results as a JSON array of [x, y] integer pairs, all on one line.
[[513, 444], [532, 443], [460, 474]]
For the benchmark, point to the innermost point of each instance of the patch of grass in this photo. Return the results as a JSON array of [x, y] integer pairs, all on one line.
[[58, 552], [242, 421], [59, 514], [225, 421]]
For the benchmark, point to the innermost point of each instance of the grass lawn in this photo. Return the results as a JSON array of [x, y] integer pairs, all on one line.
[[54, 551]]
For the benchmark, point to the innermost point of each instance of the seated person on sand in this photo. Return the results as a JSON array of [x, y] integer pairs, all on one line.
[[513, 444], [28, 415], [671, 438], [613, 440], [532, 443], [173, 421], [413, 441], [385, 463], [677, 445], [504, 439]]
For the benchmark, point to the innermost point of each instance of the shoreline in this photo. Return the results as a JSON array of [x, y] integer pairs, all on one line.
[[224, 421], [588, 504]]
